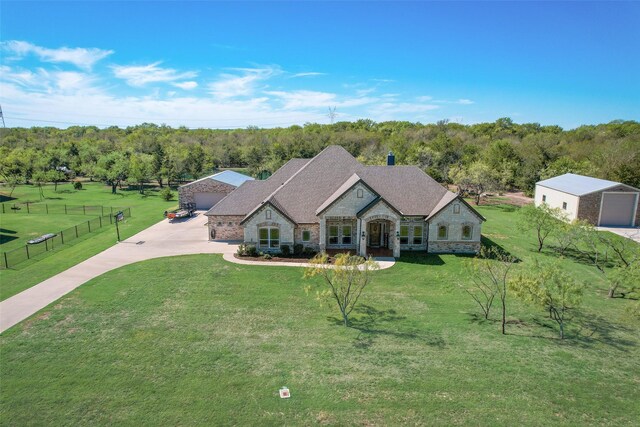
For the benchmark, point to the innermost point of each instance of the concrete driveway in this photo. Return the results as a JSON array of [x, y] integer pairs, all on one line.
[[630, 233], [165, 238]]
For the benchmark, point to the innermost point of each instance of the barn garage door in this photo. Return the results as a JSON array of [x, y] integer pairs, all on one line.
[[618, 209], [207, 200]]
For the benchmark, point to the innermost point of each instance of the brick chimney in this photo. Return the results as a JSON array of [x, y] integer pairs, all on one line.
[[391, 159]]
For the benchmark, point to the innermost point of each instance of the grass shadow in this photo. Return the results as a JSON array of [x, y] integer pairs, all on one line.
[[499, 249], [5, 198], [574, 255], [371, 322], [597, 329], [6, 239], [7, 231], [421, 257]]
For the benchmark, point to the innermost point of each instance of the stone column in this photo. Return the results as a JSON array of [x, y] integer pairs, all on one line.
[[363, 240], [396, 240], [322, 238]]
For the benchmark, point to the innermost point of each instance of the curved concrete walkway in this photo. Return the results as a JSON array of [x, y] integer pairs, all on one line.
[[383, 262], [163, 239]]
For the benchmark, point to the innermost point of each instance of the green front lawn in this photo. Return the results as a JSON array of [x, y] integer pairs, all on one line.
[[146, 211], [195, 340]]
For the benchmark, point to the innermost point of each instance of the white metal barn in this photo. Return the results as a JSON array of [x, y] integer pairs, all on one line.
[[601, 202], [208, 191]]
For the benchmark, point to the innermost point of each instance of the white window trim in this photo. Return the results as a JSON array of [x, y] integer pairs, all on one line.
[[267, 214], [268, 246], [413, 235]]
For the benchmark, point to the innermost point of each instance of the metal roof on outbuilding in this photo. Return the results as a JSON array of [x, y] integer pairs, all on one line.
[[578, 185], [227, 177]]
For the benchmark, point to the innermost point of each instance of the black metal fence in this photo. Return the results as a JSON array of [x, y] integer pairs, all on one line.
[[14, 257], [50, 208]]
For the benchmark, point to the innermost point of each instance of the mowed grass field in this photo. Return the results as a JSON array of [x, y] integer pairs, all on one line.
[[17, 229], [146, 210], [195, 340]]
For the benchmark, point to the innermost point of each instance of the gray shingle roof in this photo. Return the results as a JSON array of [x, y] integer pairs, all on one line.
[[251, 193], [407, 188], [578, 185], [303, 187]]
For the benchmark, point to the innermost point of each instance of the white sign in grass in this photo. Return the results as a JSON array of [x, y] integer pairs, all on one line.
[[284, 393]]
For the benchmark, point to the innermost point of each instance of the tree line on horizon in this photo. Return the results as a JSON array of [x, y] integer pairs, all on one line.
[[501, 155]]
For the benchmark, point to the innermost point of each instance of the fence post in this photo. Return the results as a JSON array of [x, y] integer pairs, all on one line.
[[46, 207], [84, 210], [27, 248], [65, 208], [76, 231], [3, 212], [6, 263], [89, 225], [46, 245], [28, 207], [62, 237], [100, 218]]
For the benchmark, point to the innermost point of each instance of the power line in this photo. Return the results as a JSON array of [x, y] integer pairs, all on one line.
[[2, 115]]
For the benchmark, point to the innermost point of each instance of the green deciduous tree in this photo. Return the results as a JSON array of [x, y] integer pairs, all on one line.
[[113, 169], [489, 274], [552, 289], [343, 282], [543, 219]]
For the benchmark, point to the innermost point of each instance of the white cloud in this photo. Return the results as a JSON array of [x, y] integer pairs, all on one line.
[[459, 101], [424, 98], [81, 57], [140, 75], [308, 74], [304, 99], [245, 84], [186, 85]]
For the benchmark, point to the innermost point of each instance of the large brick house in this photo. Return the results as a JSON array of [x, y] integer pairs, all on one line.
[[332, 201]]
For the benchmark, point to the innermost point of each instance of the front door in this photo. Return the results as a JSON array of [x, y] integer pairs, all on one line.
[[375, 232]]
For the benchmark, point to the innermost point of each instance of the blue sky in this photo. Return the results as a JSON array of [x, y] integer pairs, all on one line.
[[227, 65]]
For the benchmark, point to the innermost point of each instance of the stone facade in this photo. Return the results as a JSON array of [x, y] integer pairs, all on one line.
[[267, 216], [186, 192], [440, 247], [454, 217], [226, 227], [589, 207], [314, 230]]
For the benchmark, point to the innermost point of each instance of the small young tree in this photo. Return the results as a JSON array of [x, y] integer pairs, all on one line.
[[543, 219], [40, 178], [489, 275], [566, 235], [345, 280], [617, 258], [550, 288]]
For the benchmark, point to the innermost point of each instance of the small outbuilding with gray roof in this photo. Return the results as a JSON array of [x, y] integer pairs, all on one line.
[[208, 191], [598, 201]]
